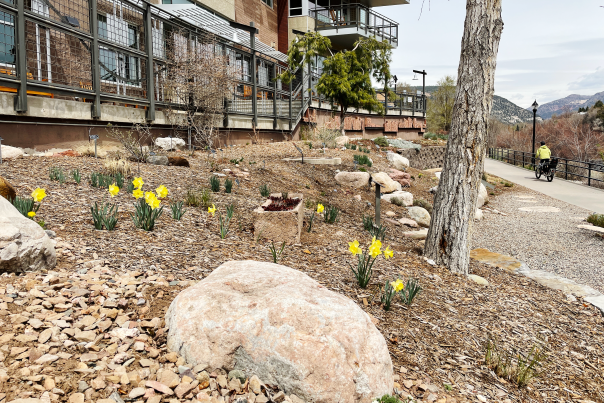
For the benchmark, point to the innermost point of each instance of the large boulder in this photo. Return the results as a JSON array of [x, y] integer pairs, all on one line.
[[420, 215], [6, 189], [23, 243], [401, 177], [170, 144], [341, 141], [283, 327], [405, 197], [483, 196], [9, 153], [399, 162], [158, 160], [387, 184], [353, 179]]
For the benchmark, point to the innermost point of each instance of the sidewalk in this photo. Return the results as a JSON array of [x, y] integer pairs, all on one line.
[[589, 198]]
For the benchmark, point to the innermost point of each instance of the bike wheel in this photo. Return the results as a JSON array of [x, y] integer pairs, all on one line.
[[537, 172], [550, 176]]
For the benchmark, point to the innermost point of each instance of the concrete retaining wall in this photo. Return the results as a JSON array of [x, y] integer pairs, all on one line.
[[425, 158]]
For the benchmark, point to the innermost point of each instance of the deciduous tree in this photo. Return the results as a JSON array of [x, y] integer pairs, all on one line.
[[448, 241], [440, 105]]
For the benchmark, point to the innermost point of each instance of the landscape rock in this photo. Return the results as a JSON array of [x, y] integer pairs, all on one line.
[[158, 160], [405, 197], [404, 144], [403, 178], [9, 153], [178, 162], [6, 189], [483, 196], [386, 183], [421, 234], [353, 179], [478, 279], [23, 243], [170, 144], [342, 141], [274, 326], [478, 215], [408, 222], [398, 161], [420, 215]]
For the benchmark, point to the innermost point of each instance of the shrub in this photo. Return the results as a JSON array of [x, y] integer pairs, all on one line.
[[265, 191], [353, 147], [77, 177], [424, 204], [177, 211], [397, 201], [328, 136], [56, 174], [104, 215], [87, 150], [508, 184], [389, 399], [331, 214], [381, 141], [214, 183], [228, 185], [236, 161], [596, 219], [362, 160]]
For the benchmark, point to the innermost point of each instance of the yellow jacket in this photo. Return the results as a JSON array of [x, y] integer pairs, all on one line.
[[543, 153]]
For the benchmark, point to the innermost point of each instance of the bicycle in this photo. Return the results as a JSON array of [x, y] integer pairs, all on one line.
[[547, 168]]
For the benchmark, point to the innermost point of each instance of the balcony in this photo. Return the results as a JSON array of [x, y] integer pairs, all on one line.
[[344, 24]]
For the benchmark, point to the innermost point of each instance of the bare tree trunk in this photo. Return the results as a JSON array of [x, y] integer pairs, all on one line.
[[449, 236]]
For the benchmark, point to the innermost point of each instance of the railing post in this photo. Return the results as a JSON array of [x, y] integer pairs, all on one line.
[[254, 84], [566, 170], [150, 71], [21, 98], [589, 174], [291, 94], [274, 96], [96, 69], [413, 97]]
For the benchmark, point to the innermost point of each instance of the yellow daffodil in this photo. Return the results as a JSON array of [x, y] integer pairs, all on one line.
[[388, 253], [149, 196], [375, 247], [398, 285], [154, 203], [321, 208], [212, 210], [113, 190], [137, 193], [31, 214], [353, 247], [161, 191], [38, 195], [138, 183]]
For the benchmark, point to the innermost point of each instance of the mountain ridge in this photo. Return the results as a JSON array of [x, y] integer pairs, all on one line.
[[571, 103]]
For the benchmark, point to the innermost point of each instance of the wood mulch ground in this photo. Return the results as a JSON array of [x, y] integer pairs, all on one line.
[[438, 342]]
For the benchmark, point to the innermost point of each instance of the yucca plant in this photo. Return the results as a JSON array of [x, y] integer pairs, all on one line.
[[214, 183], [228, 185], [177, 210], [145, 215]]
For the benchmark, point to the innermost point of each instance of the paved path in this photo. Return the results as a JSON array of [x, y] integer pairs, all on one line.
[[589, 198]]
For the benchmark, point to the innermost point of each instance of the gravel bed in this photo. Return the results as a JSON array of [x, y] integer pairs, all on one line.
[[545, 241]]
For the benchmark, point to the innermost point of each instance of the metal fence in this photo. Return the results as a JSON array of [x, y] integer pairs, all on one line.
[[589, 173]]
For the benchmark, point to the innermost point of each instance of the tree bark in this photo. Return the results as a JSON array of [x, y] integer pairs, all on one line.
[[449, 236]]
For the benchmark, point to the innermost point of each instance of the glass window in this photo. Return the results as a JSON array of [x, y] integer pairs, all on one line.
[[108, 64], [7, 39], [268, 3], [132, 70], [103, 32], [295, 8], [132, 36]]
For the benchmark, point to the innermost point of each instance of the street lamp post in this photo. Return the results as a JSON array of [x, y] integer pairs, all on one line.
[[535, 106]]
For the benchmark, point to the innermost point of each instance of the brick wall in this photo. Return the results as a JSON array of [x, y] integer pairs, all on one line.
[[264, 17]]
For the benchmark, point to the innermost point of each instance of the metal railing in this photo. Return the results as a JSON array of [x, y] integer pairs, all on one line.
[[403, 102], [357, 16], [589, 173]]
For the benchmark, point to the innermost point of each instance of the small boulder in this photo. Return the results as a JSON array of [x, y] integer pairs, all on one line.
[[421, 234], [6, 189], [170, 144], [23, 243], [10, 153], [403, 178], [283, 327], [398, 161], [483, 196], [353, 179], [433, 190], [386, 183], [405, 197], [178, 162], [342, 141], [157, 160], [478, 279], [408, 222], [479, 215], [419, 215]]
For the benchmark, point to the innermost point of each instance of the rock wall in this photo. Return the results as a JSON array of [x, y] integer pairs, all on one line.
[[425, 158]]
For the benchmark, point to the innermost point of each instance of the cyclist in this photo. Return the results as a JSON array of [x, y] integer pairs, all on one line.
[[543, 154]]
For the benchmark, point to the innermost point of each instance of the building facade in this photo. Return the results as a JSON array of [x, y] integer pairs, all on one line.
[[71, 67]]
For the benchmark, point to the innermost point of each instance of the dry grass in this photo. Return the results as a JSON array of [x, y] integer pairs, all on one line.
[[122, 166]]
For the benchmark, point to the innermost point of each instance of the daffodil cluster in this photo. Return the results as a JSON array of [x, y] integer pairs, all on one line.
[[152, 199], [148, 205], [365, 263], [27, 205]]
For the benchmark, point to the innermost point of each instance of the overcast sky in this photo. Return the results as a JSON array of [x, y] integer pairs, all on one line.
[[549, 48]]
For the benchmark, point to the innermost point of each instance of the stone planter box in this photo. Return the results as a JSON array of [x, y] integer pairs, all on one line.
[[280, 226]]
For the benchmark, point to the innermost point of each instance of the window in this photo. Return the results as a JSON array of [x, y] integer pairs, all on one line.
[[7, 40], [295, 8], [103, 33], [115, 29], [268, 3], [119, 67]]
